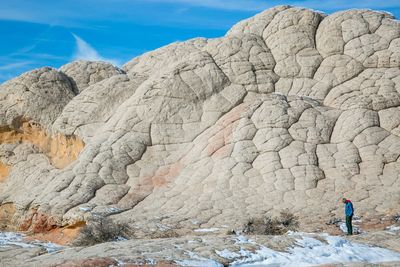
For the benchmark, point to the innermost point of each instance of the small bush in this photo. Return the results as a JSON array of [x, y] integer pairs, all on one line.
[[163, 234], [231, 232], [271, 226], [288, 220], [396, 218], [334, 221], [101, 229], [263, 226]]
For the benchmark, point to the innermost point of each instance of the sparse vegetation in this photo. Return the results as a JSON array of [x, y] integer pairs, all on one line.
[[289, 220], [334, 221], [164, 234], [396, 218], [102, 229], [271, 226], [231, 232]]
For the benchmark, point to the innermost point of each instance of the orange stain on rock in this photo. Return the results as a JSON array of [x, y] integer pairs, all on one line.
[[4, 170], [41, 226], [62, 235], [36, 222], [61, 150]]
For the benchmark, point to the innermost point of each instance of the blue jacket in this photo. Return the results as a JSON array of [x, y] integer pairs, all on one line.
[[348, 210]]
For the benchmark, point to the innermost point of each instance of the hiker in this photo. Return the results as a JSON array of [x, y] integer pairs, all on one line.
[[349, 211]]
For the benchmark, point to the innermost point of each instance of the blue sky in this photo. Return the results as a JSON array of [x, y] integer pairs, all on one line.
[[39, 33]]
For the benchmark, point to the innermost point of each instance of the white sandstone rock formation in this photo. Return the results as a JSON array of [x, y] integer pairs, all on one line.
[[85, 73], [292, 109]]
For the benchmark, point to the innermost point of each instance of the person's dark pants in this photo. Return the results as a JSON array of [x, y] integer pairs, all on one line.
[[348, 225]]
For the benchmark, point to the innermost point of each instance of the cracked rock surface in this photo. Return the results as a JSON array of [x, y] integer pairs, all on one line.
[[291, 109]]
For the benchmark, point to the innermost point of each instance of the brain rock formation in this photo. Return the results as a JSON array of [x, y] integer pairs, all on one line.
[[291, 109]]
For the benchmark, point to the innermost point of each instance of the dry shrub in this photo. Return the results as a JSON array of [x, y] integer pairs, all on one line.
[[163, 234], [289, 220], [334, 221], [396, 218], [231, 232], [271, 226], [100, 230]]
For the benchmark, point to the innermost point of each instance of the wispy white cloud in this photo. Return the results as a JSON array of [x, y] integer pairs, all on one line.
[[345, 4], [15, 65], [13, 68], [85, 51], [74, 12], [258, 5], [244, 5]]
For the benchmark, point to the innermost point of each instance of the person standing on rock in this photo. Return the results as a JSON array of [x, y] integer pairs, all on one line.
[[349, 212]]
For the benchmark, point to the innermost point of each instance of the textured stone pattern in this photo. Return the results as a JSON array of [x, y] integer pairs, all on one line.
[[292, 109]]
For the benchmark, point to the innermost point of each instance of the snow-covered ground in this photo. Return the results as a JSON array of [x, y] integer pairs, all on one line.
[[206, 230], [393, 228], [356, 229], [310, 251], [198, 261], [11, 239]]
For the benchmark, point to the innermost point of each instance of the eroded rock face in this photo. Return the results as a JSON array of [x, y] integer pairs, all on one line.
[[292, 109], [39, 95], [85, 73]]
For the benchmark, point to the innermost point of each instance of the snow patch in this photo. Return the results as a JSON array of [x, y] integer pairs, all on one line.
[[85, 209], [113, 210], [240, 239], [50, 247], [197, 261], [206, 230], [310, 251], [393, 228], [10, 239], [120, 238], [226, 254], [163, 227], [343, 227]]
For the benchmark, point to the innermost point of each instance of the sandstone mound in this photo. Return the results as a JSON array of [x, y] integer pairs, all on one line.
[[292, 109], [40, 95], [85, 73]]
